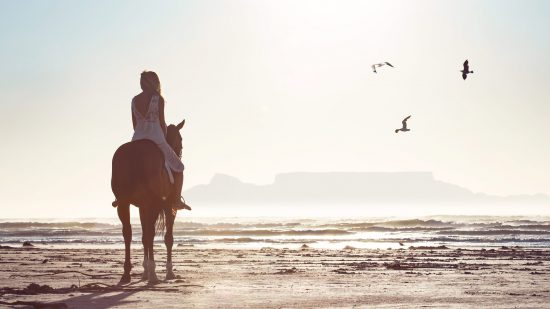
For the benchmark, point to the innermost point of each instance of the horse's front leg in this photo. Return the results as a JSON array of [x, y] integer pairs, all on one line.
[[169, 241], [124, 216]]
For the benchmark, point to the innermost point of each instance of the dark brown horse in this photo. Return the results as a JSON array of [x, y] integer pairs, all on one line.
[[139, 177]]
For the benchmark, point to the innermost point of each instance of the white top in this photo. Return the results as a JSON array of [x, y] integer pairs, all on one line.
[[148, 127]]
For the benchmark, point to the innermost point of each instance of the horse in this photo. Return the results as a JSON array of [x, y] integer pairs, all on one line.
[[139, 177]]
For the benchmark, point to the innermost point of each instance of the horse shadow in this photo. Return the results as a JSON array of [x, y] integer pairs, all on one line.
[[105, 298], [101, 300]]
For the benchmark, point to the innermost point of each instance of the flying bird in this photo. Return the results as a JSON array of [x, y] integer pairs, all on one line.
[[466, 70], [377, 65], [404, 128]]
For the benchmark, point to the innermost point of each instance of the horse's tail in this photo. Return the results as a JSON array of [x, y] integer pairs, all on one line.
[[160, 224]]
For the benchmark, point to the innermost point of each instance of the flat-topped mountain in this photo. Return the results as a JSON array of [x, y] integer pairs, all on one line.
[[346, 188]]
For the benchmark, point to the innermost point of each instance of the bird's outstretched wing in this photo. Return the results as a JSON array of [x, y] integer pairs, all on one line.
[[464, 76], [466, 66], [404, 122], [389, 64], [373, 68]]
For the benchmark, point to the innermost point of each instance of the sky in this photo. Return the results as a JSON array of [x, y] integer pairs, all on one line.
[[268, 87]]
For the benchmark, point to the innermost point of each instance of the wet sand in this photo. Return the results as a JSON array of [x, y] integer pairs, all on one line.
[[276, 278]]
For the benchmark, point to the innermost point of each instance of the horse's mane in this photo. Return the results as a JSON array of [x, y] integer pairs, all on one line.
[[172, 135]]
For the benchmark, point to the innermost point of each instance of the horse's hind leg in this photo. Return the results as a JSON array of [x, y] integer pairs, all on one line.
[[124, 216], [144, 239], [148, 218], [170, 216]]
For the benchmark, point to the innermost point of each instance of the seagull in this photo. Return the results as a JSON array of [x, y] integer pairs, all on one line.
[[466, 70], [404, 128], [377, 65]]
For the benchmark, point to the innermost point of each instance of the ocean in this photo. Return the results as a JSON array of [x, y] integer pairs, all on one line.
[[328, 233]]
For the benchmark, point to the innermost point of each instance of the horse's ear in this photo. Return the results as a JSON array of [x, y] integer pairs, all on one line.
[[180, 125]]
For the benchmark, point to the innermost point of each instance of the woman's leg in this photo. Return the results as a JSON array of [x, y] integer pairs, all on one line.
[[176, 194]]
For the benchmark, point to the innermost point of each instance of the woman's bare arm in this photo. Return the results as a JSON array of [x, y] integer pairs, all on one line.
[[133, 117], [161, 115]]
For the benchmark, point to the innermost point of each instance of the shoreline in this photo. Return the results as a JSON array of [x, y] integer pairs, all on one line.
[[295, 245]]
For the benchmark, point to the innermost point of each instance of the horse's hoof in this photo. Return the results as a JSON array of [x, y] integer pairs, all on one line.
[[125, 279], [170, 275], [153, 280]]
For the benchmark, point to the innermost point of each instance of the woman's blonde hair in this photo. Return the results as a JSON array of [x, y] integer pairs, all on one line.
[[150, 81]]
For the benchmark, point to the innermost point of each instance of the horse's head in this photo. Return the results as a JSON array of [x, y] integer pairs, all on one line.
[[173, 137]]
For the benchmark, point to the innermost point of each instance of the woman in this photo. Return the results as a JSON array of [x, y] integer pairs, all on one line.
[[148, 121]]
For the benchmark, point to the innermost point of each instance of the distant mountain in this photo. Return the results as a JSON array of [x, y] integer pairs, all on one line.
[[342, 188]]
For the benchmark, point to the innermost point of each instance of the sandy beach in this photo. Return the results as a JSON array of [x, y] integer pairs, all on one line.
[[279, 278]]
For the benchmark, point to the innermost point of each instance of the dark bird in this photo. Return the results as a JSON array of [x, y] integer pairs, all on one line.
[[377, 65], [404, 128], [466, 70], [401, 244]]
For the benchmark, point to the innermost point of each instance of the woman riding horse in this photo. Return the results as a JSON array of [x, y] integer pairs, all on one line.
[[141, 176]]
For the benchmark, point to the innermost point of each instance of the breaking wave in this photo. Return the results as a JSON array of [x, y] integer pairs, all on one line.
[[441, 230]]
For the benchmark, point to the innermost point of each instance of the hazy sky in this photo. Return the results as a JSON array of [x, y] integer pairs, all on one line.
[[273, 86]]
